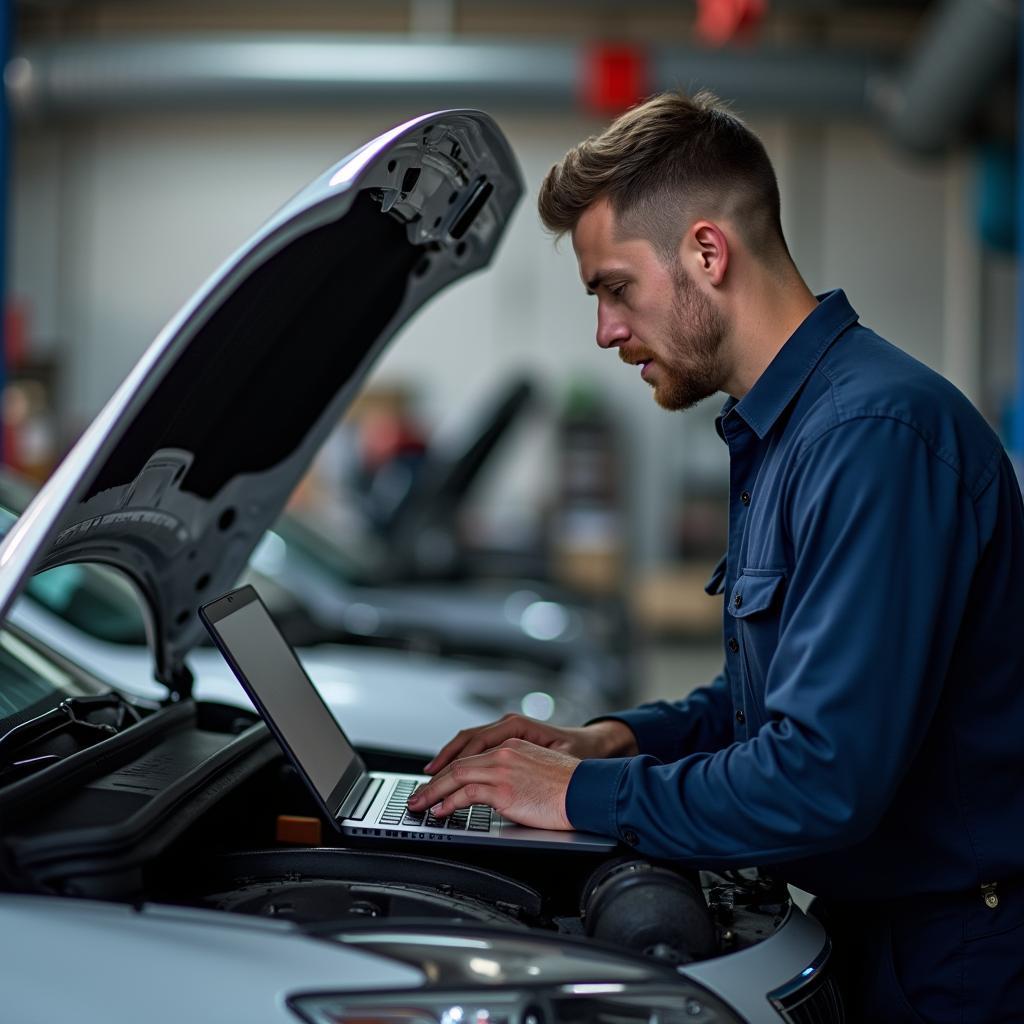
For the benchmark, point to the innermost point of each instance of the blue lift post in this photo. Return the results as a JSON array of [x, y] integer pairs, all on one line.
[[1017, 440], [6, 27]]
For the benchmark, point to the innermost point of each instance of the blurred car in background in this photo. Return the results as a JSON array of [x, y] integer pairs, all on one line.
[[409, 493], [305, 576], [388, 565]]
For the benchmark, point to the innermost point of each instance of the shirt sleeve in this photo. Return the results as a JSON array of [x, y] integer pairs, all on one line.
[[885, 541], [669, 730]]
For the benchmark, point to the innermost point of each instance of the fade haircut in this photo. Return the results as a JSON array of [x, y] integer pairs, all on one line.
[[664, 164]]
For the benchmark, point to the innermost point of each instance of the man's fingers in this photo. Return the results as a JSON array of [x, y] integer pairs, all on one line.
[[508, 728], [493, 736], [470, 742], [451, 778], [474, 793], [450, 750], [444, 782], [524, 782]]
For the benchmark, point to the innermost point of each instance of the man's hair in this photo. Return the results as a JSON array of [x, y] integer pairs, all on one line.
[[665, 163]]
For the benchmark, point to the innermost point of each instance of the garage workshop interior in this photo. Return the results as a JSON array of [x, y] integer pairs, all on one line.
[[409, 408]]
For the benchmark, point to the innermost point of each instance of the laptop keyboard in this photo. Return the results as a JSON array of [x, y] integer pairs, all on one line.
[[477, 818]]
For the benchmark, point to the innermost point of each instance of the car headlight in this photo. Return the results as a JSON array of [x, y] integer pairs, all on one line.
[[570, 1004], [486, 978]]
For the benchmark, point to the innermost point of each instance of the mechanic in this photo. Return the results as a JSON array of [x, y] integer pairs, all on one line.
[[866, 735]]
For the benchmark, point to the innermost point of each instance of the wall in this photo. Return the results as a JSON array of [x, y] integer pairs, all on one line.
[[115, 224]]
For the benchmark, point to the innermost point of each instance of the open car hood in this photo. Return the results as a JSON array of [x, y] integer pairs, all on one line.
[[198, 450]]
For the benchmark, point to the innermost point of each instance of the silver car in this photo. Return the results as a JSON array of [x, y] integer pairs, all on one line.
[[160, 861]]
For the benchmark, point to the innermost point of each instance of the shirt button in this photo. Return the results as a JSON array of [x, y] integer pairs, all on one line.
[[738, 601], [733, 644], [740, 717], [745, 497], [630, 836]]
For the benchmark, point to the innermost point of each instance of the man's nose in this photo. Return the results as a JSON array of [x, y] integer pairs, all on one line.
[[611, 330]]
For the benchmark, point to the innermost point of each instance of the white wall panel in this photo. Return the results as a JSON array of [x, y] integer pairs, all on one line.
[[883, 230], [35, 243]]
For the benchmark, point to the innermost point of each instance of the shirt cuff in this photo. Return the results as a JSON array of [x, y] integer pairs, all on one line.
[[592, 796]]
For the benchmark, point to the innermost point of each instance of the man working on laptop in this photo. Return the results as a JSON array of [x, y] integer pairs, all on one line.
[[866, 735]]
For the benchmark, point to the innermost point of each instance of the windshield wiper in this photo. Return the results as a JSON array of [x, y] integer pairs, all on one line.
[[71, 715]]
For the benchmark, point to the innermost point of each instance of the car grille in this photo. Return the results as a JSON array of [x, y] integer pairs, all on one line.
[[812, 998]]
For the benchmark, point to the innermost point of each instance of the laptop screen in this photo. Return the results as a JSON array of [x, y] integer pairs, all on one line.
[[270, 672]]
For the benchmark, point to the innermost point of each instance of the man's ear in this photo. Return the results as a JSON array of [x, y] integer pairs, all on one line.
[[708, 251]]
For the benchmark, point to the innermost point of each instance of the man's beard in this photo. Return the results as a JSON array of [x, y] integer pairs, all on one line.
[[692, 368]]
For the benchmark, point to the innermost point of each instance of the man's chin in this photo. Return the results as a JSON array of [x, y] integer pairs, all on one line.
[[673, 398], [666, 401]]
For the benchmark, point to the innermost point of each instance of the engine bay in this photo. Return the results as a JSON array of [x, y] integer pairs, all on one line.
[[184, 807]]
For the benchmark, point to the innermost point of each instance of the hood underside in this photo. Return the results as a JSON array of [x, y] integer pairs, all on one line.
[[198, 451]]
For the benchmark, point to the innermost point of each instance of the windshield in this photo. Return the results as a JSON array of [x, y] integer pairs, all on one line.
[[48, 710], [94, 599], [31, 683]]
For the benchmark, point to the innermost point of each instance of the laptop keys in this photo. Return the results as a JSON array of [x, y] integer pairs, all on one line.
[[469, 819], [479, 818], [395, 810], [476, 818]]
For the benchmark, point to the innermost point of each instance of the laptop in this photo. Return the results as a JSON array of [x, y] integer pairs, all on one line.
[[356, 801]]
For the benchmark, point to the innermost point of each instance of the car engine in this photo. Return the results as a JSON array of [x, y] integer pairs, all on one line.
[[184, 806]]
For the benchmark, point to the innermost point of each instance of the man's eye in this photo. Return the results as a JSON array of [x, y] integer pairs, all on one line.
[[617, 290]]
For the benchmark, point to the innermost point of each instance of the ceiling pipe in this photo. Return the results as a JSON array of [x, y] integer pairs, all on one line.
[[959, 58], [83, 78]]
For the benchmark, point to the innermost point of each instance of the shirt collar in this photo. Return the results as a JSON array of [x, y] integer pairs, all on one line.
[[786, 374]]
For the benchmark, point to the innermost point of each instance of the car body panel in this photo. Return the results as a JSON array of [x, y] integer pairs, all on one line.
[[166, 965], [175, 964], [745, 977]]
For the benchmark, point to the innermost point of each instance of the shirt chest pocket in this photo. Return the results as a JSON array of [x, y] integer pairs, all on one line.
[[755, 605]]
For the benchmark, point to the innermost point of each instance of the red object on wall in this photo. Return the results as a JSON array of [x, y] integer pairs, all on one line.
[[16, 326], [721, 21], [615, 78]]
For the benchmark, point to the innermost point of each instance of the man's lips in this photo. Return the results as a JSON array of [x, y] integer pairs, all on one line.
[[641, 359], [636, 357]]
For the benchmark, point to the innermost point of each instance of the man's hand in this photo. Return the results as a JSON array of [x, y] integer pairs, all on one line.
[[523, 782], [609, 738]]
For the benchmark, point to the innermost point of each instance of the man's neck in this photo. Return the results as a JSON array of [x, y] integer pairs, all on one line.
[[770, 311]]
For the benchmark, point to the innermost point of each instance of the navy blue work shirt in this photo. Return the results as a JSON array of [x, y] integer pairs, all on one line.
[[867, 731]]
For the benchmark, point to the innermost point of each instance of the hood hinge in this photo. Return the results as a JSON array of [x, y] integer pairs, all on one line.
[[179, 681]]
